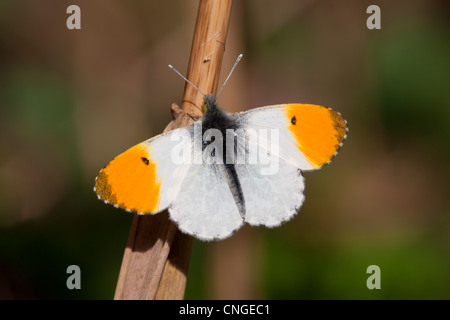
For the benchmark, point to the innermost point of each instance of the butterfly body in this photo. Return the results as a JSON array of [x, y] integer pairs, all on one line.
[[219, 119]]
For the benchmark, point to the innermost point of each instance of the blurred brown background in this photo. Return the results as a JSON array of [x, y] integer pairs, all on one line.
[[71, 100]]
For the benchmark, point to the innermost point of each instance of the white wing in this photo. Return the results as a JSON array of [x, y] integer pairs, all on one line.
[[290, 138], [205, 207], [309, 135], [273, 191], [168, 150], [274, 118]]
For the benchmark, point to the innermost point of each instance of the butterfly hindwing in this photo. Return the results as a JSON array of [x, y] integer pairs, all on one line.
[[271, 199], [205, 207]]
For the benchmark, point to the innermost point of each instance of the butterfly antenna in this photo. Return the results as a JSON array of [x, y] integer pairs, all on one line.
[[232, 69], [173, 69]]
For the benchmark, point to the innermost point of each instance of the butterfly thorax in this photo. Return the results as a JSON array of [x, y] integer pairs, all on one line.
[[215, 117]]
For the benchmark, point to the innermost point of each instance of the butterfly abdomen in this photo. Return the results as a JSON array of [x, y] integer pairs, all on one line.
[[216, 118]]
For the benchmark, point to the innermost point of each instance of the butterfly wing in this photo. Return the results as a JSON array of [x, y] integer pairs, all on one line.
[[309, 135], [205, 207], [145, 178], [293, 138], [273, 198], [161, 173]]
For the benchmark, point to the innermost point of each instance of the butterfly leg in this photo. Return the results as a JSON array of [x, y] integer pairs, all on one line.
[[179, 118], [193, 117]]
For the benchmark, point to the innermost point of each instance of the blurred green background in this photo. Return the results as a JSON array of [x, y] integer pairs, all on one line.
[[71, 100]]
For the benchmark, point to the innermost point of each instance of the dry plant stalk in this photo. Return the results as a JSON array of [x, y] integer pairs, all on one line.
[[156, 258]]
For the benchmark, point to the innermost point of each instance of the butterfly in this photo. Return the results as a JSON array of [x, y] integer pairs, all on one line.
[[226, 169]]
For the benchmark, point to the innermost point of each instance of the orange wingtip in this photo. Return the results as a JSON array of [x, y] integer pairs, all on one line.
[[319, 131], [130, 181]]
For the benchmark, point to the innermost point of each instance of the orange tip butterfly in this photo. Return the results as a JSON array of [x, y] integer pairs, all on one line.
[[226, 169]]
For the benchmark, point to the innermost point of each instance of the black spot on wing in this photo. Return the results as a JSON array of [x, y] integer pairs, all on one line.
[[294, 120]]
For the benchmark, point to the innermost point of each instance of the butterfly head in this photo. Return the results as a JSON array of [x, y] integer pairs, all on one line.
[[210, 105]]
